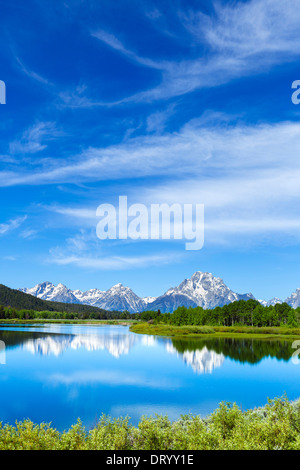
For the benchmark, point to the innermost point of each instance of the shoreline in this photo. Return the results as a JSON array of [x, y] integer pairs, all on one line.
[[194, 332], [172, 331]]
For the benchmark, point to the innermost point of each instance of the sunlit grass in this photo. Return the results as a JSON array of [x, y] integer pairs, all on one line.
[[162, 329]]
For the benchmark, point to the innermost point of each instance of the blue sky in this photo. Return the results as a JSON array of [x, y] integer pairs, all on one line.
[[165, 102]]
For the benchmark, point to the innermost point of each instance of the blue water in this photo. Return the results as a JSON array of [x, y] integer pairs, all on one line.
[[58, 373]]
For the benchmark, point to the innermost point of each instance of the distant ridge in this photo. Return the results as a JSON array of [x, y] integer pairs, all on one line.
[[202, 289], [19, 300]]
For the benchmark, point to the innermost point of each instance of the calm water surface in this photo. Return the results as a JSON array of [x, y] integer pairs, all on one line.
[[57, 373]]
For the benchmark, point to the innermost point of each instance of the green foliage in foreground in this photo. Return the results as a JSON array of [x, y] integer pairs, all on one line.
[[276, 426]]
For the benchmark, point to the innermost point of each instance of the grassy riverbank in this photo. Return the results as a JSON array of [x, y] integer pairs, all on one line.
[[162, 329], [275, 426]]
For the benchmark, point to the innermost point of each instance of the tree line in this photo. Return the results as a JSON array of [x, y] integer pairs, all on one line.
[[239, 313], [10, 313]]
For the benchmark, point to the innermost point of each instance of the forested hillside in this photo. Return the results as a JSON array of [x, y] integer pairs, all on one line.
[[18, 300]]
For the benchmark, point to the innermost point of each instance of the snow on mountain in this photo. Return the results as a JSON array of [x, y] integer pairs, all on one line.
[[121, 298], [149, 300], [202, 289], [117, 297], [91, 297], [169, 302], [48, 291], [274, 301], [271, 302], [294, 299]]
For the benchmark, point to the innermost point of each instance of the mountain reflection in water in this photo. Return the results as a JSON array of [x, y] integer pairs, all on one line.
[[115, 345], [205, 355], [61, 372], [201, 360], [202, 355], [57, 344]]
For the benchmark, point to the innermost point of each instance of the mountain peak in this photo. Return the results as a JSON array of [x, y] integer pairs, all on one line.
[[201, 289], [294, 299]]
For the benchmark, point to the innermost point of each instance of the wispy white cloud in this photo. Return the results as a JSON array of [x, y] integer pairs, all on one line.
[[112, 262], [113, 42], [35, 138], [11, 225], [156, 122], [77, 97], [241, 39], [32, 74], [7, 159], [9, 258], [199, 151], [251, 28], [246, 176], [29, 234], [75, 212], [85, 250]]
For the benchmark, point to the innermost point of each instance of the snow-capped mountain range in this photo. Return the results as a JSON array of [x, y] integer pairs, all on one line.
[[202, 289]]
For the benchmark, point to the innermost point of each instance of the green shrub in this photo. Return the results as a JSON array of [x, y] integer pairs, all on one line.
[[275, 426], [111, 434]]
